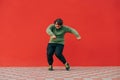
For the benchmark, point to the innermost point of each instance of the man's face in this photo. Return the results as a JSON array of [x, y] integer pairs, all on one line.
[[57, 26]]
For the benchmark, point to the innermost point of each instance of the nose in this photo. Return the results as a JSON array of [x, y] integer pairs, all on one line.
[[57, 25]]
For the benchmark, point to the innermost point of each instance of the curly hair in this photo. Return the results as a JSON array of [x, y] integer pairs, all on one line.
[[59, 21]]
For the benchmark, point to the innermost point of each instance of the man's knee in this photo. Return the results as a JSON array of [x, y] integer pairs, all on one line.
[[58, 55]]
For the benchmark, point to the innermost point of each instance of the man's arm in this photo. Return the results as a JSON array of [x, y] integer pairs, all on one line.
[[49, 31], [73, 31]]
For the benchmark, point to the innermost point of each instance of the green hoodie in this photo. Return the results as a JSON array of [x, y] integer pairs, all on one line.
[[59, 33]]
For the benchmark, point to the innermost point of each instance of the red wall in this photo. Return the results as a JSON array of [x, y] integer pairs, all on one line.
[[23, 39]]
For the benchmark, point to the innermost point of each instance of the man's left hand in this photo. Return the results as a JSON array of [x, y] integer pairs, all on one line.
[[78, 38]]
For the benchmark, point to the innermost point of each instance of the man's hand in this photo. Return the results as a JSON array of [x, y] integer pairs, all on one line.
[[54, 37], [78, 38]]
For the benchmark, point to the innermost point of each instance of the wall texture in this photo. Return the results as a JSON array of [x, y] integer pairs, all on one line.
[[23, 38]]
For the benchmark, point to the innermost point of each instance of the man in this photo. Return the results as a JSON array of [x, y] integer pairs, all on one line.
[[56, 32]]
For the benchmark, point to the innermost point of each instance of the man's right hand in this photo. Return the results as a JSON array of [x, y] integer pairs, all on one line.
[[54, 37]]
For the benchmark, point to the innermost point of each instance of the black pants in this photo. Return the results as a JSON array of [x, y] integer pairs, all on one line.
[[57, 49]]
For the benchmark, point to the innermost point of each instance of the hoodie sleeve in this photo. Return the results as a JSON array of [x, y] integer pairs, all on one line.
[[49, 30], [72, 30]]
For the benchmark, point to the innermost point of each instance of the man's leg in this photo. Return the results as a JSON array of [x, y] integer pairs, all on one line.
[[59, 55], [50, 52]]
